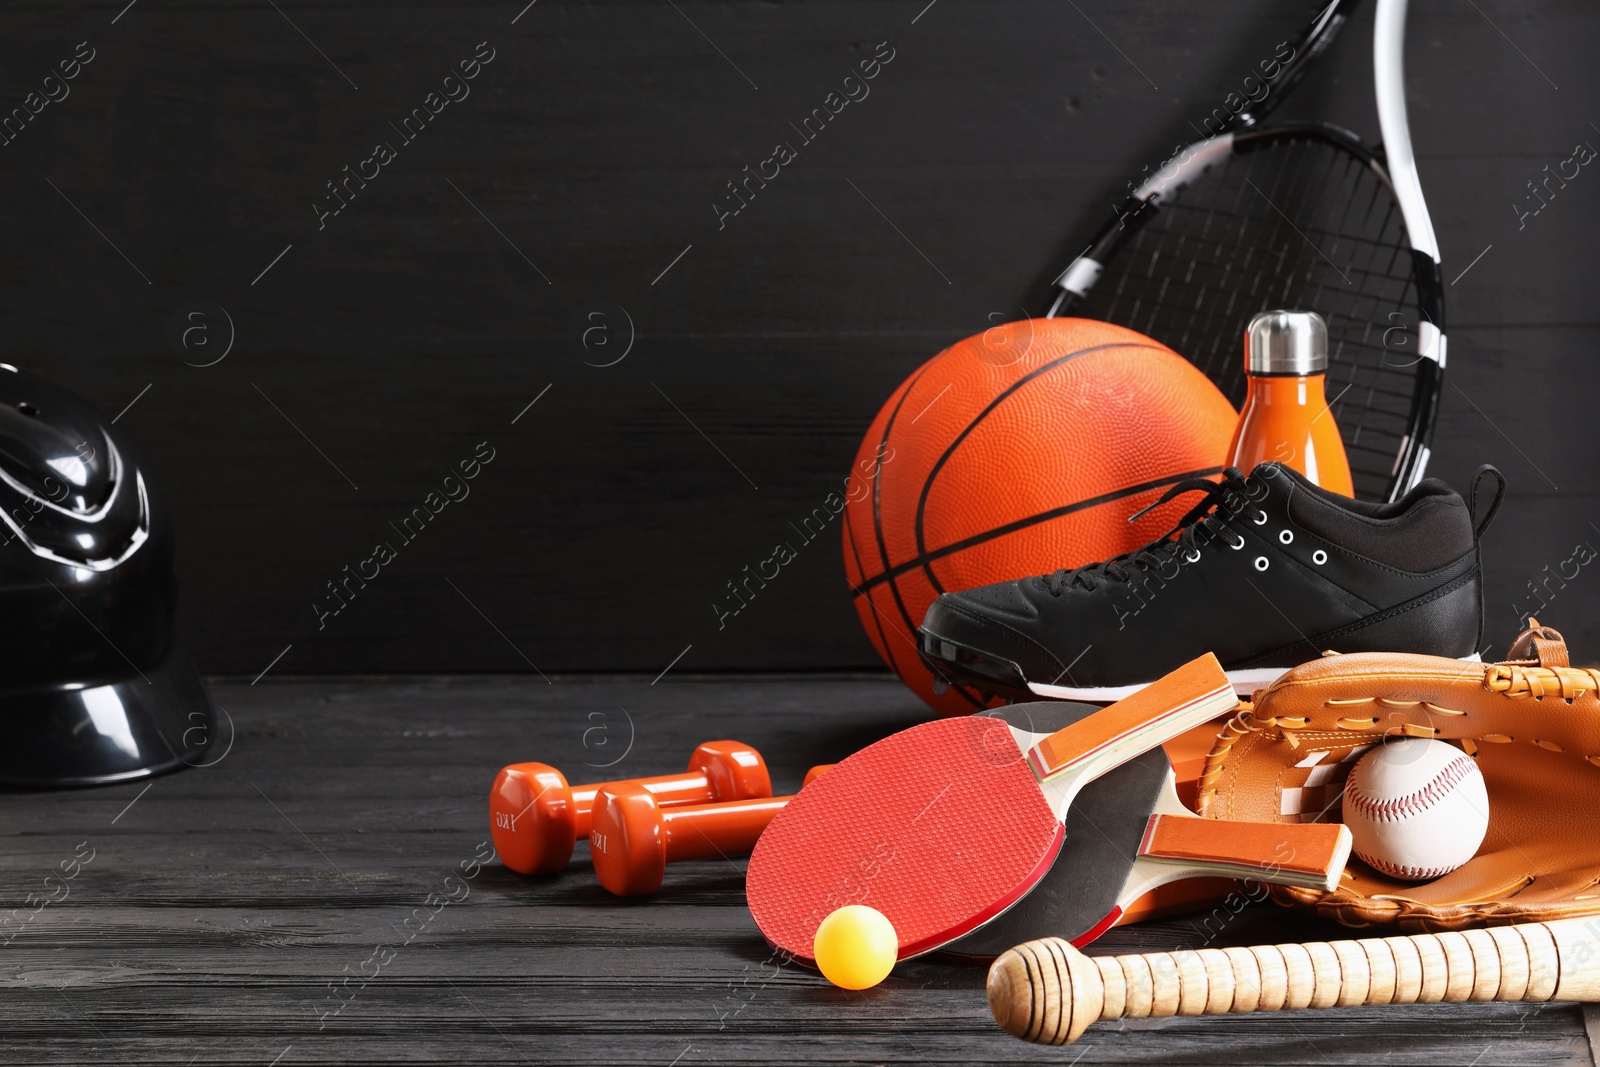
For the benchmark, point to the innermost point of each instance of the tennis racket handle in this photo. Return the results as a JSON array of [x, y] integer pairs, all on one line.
[[1049, 992]]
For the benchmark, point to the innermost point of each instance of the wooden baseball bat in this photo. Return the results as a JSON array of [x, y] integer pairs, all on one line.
[[1049, 992]]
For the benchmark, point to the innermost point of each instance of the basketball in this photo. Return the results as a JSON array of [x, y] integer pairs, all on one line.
[[1019, 451]]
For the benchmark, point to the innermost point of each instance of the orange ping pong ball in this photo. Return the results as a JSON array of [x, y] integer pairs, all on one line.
[[855, 947]]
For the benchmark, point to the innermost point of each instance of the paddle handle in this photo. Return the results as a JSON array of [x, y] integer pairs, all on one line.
[[1310, 854], [1178, 701], [1049, 992]]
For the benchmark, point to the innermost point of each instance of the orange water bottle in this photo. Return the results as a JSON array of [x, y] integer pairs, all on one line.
[[1286, 415]]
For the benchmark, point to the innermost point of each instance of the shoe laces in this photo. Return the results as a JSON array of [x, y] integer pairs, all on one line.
[[1223, 501]]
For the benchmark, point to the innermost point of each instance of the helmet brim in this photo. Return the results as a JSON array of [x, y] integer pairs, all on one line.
[[151, 721]]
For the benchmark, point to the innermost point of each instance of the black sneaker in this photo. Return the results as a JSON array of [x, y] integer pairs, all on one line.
[[1267, 571]]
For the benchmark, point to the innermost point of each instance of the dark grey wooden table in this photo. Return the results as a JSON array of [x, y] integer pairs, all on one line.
[[316, 896]]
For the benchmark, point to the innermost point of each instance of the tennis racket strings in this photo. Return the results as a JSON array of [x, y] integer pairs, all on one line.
[[1299, 219]]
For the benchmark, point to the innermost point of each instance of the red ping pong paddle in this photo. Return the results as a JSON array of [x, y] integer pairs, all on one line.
[[944, 826]]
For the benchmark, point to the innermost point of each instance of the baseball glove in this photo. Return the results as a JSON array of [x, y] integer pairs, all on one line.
[[1533, 725]]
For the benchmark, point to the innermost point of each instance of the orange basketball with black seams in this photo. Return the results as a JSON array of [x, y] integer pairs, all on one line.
[[1016, 452]]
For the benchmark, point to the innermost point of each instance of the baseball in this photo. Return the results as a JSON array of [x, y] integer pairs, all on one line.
[[1417, 809]]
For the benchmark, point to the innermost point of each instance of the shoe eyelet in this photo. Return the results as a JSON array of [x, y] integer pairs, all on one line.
[[1319, 557], [1261, 518], [1238, 546], [1261, 563], [1285, 537], [1194, 558]]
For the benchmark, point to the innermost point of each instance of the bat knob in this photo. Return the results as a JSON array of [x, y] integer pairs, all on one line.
[[1045, 991]]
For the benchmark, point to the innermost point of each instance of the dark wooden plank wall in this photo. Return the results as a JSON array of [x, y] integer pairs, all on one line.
[[412, 327]]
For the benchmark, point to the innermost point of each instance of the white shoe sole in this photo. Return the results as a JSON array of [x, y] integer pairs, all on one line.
[[1244, 682]]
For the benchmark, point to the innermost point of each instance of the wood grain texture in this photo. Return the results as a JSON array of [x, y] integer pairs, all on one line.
[[1382, 975], [1356, 986], [1274, 977], [221, 905], [451, 291], [1408, 970], [1247, 977], [1114, 988]]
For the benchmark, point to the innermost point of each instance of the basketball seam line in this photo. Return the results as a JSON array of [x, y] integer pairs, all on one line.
[[877, 494], [1014, 387], [855, 551], [883, 548], [1022, 524]]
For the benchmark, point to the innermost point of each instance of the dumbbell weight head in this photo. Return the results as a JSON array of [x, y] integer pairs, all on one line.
[[533, 818], [627, 842], [734, 771]]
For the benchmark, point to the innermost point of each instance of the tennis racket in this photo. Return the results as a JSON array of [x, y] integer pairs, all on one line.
[[1302, 216]]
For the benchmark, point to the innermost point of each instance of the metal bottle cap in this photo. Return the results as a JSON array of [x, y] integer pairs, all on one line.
[[1286, 342]]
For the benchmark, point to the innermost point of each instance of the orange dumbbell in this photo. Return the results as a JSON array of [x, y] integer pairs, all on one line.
[[536, 818], [632, 837]]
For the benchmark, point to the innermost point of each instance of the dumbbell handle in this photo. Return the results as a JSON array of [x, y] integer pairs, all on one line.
[[715, 828], [633, 838], [1049, 992], [730, 828], [706, 831], [670, 790], [689, 787]]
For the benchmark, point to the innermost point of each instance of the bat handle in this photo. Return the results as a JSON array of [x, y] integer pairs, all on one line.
[[1049, 992]]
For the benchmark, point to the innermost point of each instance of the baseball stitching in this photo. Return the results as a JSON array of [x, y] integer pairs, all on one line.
[[1410, 874], [1412, 803]]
